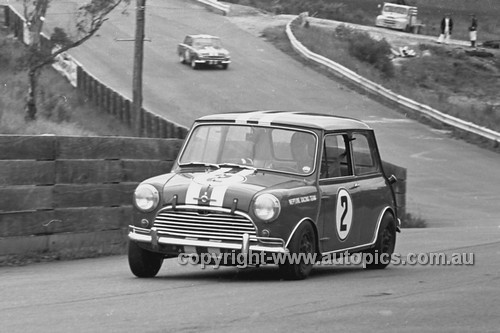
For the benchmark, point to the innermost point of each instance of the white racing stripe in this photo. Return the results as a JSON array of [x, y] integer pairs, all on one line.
[[268, 118], [193, 193], [194, 189], [218, 193]]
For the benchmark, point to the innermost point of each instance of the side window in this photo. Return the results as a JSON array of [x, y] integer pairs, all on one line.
[[363, 155], [334, 161]]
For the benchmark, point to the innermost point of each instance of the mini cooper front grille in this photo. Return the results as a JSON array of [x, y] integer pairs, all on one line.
[[206, 225]]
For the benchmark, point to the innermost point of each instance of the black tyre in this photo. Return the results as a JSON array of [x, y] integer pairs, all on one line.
[[224, 66], [384, 245], [303, 241], [143, 263]]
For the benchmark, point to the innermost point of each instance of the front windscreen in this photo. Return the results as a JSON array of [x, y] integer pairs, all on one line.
[[395, 10], [206, 42], [275, 149]]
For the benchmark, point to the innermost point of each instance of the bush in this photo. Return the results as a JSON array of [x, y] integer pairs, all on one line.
[[366, 49], [411, 221]]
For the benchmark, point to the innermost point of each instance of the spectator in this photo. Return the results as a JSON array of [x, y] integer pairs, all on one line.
[[473, 30], [446, 29]]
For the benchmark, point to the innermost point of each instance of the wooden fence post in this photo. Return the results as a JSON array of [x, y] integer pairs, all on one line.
[[126, 112]]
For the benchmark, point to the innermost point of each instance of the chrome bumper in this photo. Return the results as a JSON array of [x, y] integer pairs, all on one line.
[[398, 225], [247, 245], [212, 61]]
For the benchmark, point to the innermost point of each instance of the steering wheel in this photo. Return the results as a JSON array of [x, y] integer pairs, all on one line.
[[246, 161]]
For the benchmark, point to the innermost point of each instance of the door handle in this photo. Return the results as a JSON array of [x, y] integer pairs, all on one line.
[[355, 185]]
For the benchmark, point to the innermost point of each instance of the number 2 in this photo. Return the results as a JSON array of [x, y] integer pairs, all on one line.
[[345, 204]]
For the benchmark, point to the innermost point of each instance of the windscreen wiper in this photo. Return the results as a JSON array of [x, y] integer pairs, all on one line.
[[208, 165], [234, 165]]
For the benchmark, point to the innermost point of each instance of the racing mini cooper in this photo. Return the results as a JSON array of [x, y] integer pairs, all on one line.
[[203, 49], [271, 183]]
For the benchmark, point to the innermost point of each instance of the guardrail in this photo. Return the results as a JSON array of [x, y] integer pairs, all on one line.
[[102, 96], [387, 94], [214, 4]]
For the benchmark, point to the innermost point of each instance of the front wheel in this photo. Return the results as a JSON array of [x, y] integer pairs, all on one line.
[[302, 249], [224, 66], [194, 65], [384, 245], [143, 263]]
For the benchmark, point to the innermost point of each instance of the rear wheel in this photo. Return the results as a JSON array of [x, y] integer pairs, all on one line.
[[303, 247], [384, 245], [143, 263]]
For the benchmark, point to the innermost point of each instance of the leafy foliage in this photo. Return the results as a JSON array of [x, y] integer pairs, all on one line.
[[90, 18], [363, 47], [59, 37]]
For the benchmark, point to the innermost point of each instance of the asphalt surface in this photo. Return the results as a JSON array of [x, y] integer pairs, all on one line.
[[452, 185]]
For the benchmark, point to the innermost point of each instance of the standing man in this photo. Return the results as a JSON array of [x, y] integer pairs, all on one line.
[[473, 31], [446, 29]]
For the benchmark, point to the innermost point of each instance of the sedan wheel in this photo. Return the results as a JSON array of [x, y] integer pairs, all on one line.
[[194, 65], [143, 263], [303, 246], [384, 245]]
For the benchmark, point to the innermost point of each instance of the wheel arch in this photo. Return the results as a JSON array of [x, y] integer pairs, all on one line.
[[384, 212], [315, 228]]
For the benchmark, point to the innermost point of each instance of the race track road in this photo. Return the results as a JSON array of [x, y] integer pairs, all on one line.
[[101, 295], [452, 185]]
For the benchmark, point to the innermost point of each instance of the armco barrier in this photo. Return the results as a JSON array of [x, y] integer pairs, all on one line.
[[105, 98], [73, 194], [215, 5], [387, 94]]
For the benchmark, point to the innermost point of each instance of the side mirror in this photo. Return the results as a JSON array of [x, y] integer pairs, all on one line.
[[392, 179]]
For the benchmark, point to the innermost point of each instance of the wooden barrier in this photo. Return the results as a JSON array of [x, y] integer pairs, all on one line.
[[399, 187], [63, 186]]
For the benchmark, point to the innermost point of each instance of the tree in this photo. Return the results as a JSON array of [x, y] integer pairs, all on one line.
[[89, 19]]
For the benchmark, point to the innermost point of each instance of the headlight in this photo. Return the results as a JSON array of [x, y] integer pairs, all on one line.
[[146, 197], [267, 207]]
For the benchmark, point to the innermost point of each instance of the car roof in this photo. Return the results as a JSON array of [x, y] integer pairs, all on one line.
[[200, 36], [288, 118]]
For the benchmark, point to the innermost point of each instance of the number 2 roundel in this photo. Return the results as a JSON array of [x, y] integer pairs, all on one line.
[[343, 217]]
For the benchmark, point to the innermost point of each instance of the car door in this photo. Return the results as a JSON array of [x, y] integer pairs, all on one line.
[[371, 193], [337, 184]]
